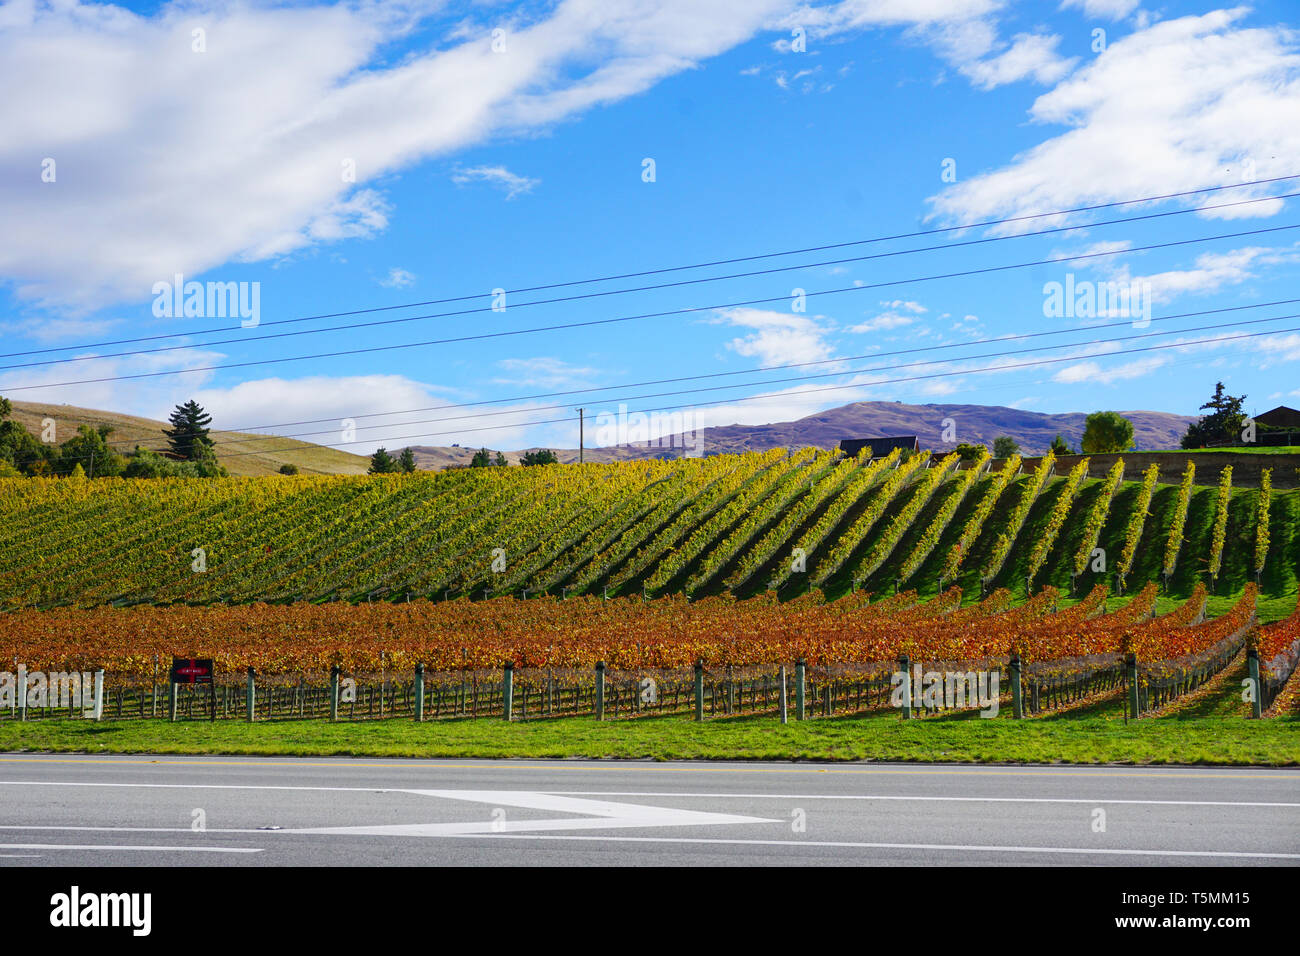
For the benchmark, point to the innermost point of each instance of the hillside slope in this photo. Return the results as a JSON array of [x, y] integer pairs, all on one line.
[[683, 526], [242, 453], [978, 424]]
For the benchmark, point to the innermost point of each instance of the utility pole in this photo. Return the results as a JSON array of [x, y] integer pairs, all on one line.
[[580, 436]]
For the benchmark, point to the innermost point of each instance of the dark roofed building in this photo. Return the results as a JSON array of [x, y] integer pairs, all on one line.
[[1280, 417], [879, 446]]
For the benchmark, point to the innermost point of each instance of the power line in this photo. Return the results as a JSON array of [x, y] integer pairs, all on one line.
[[831, 388], [598, 322], [718, 262], [772, 368], [816, 389], [742, 371], [764, 383], [794, 378]]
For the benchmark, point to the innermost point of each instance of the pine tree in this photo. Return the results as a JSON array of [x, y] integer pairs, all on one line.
[[406, 460], [1061, 447], [188, 436], [382, 463], [543, 456], [1224, 423]]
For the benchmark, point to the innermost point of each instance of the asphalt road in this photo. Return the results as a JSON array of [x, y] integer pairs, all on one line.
[[250, 811]]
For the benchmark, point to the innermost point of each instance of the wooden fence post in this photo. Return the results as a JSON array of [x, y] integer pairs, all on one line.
[[1131, 671], [508, 691], [1252, 668], [334, 692], [905, 666], [600, 690], [250, 696], [699, 690], [1017, 690], [800, 698], [419, 692]]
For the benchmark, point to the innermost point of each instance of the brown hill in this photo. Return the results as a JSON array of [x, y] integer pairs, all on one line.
[[240, 452], [978, 424], [248, 454]]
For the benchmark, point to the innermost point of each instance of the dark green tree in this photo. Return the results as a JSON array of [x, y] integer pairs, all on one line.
[[89, 448], [1222, 426], [188, 436], [143, 463], [382, 463], [1061, 447], [406, 461], [19, 447], [1005, 446], [482, 459], [543, 456], [500, 460], [967, 452], [1106, 432], [288, 468]]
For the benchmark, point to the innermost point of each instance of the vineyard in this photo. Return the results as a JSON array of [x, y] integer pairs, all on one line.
[[727, 583], [782, 522]]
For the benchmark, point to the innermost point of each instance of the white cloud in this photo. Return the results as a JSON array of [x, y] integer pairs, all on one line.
[[1278, 348], [964, 33], [138, 396], [428, 415], [1114, 9], [905, 305], [543, 372], [1212, 271], [1092, 373], [898, 314], [1176, 106], [498, 176], [782, 338], [45, 329], [1031, 55], [173, 161], [397, 279], [886, 320]]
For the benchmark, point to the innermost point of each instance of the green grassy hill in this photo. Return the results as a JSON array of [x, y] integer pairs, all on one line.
[[242, 453]]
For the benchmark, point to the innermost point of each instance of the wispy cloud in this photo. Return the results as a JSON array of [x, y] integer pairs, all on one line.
[[498, 176], [397, 278]]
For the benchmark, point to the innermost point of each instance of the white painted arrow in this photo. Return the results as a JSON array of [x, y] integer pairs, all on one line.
[[599, 815]]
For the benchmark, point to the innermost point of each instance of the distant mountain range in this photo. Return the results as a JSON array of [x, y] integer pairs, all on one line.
[[978, 424], [247, 454]]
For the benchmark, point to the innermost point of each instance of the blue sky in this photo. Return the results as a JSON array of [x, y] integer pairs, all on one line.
[[221, 155]]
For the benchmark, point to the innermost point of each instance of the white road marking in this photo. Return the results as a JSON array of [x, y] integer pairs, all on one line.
[[904, 797], [639, 793], [597, 814], [104, 846], [600, 815], [1095, 851]]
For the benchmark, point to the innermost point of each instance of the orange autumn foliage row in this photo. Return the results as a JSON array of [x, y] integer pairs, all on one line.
[[625, 633]]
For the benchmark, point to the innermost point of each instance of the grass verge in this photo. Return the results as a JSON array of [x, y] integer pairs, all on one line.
[[1086, 739]]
